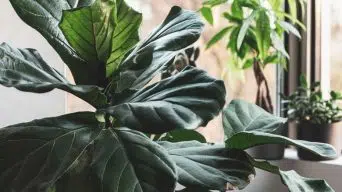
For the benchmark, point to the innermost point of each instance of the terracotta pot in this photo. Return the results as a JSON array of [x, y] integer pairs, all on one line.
[[323, 133]]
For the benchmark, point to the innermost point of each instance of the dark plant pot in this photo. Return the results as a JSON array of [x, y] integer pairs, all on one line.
[[269, 151], [323, 133]]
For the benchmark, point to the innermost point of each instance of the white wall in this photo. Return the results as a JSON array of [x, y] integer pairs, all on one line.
[[16, 106]]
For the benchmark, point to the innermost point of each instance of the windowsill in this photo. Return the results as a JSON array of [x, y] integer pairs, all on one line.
[[291, 154]]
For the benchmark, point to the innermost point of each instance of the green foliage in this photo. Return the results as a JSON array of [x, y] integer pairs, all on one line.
[[294, 181], [180, 29], [26, 70], [218, 37], [102, 33], [195, 162], [207, 14], [256, 138], [260, 26], [98, 145], [247, 125], [242, 116], [108, 150], [45, 150], [263, 33], [308, 104], [45, 18], [180, 101]]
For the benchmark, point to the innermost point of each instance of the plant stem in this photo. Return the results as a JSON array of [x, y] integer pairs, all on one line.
[[263, 97]]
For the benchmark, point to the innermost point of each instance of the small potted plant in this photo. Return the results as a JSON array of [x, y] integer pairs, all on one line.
[[318, 119]]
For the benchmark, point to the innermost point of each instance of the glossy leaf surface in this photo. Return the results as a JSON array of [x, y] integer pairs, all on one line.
[[255, 138], [103, 33], [45, 16], [186, 100], [263, 33], [210, 166], [243, 116], [208, 14], [293, 181], [180, 29], [26, 70], [35, 155]]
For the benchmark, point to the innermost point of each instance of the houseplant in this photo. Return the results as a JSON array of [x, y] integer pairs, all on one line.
[[317, 118], [107, 150], [254, 32], [255, 40]]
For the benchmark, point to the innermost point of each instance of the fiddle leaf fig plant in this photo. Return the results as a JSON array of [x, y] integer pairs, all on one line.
[[108, 150]]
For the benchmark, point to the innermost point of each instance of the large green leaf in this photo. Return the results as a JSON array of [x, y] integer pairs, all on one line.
[[179, 30], [25, 70], [210, 166], [288, 27], [208, 14], [232, 44], [278, 44], [126, 35], [236, 9], [45, 16], [36, 155], [243, 116], [263, 33], [256, 138], [293, 181], [218, 36], [244, 28], [103, 33], [126, 160], [243, 121], [293, 8], [186, 100], [213, 3]]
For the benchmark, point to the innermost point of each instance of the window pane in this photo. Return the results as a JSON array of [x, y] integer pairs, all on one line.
[[336, 46]]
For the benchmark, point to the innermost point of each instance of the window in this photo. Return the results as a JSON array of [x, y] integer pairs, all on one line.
[[336, 46]]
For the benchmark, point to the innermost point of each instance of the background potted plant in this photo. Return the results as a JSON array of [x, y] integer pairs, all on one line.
[[255, 33], [107, 149], [317, 119]]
